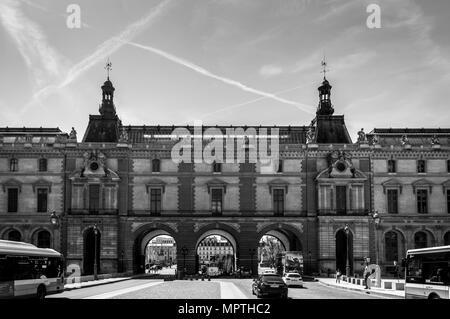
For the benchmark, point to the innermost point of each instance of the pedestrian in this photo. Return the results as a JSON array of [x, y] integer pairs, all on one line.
[[366, 277], [338, 276], [328, 272]]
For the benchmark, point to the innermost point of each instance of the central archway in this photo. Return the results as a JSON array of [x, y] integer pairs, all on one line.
[[277, 245], [216, 253]]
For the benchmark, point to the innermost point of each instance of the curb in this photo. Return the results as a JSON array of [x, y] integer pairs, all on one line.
[[372, 292], [97, 284]]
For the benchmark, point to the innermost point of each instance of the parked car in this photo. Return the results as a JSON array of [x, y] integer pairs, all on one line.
[[270, 285], [293, 279]]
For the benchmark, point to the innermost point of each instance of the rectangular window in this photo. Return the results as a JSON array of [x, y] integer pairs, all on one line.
[[280, 166], [216, 200], [13, 198], [420, 166], [392, 196], [448, 201], [278, 201], [42, 165], [448, 166], [391, 166], [155, 201], [156, 166], [422, 201], [217, 167], [341, 200], [94, 198], [42, 196], [13, 164]]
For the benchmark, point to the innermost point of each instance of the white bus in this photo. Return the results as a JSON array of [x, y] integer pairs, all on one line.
[[428, 273], [28, 271]]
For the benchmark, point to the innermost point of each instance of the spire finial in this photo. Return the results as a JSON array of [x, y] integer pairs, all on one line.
[[108, 67], [324, 66]]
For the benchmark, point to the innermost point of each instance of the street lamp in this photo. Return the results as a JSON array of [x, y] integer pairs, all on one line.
[[252, 252], [309, 262], [184, 251], [377, 220], [95, 251], [54, 220], [121, 258], [347, 267]]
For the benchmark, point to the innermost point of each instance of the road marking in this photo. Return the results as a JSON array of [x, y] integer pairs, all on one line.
[[228, 290], [123, 291]]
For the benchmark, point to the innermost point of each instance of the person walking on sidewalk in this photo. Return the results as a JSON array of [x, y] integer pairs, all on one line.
[[366, 277], [338, 276]]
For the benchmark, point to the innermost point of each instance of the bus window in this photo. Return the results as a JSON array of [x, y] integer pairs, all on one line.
[[414, 269], [6, 270]]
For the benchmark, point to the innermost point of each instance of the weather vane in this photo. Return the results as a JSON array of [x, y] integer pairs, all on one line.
[[324, 65], [108, 67]]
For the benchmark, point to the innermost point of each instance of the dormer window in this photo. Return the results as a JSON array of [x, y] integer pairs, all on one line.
[[156, 166], [421, 166]]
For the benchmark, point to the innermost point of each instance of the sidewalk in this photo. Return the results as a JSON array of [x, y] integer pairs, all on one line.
[[331, 282], [94, 283]]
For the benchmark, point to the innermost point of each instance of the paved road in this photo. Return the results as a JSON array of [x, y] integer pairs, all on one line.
[[215, 289]]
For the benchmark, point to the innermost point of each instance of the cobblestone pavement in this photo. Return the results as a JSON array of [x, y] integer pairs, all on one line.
[[197, 289]]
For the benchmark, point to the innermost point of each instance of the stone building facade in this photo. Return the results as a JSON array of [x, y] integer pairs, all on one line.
[[123, 180]]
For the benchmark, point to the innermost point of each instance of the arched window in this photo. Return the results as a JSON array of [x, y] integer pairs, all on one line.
[[43, 239], [447, 238], [14, 235], [156, 165], [420, 240], [391, 246]]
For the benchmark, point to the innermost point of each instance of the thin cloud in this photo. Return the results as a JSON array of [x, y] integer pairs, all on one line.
[[44, 9], [107, 48], [303, 107], [270, 70], [41, 59]]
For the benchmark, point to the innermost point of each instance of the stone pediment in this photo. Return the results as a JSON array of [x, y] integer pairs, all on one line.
[[215, 182], [42, 183], [422, 183], [156, 182], [446, 185], [392, 183], [10, 183], [278, 183]]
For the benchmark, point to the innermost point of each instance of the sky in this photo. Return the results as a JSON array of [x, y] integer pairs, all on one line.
[[225, 62]]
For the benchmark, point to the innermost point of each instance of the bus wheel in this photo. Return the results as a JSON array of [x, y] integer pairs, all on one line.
[[434, 296], [40, 293]]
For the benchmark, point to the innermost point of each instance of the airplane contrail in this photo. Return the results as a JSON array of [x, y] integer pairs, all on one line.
[[250, 102], [303, 107], [106, 48]]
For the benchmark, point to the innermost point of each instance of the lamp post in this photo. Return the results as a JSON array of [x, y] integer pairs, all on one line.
[[309, 262], [347, 267], [121, 259], [95, 251], [184, 251], [377, 220], [252, 252], [54, 220]]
